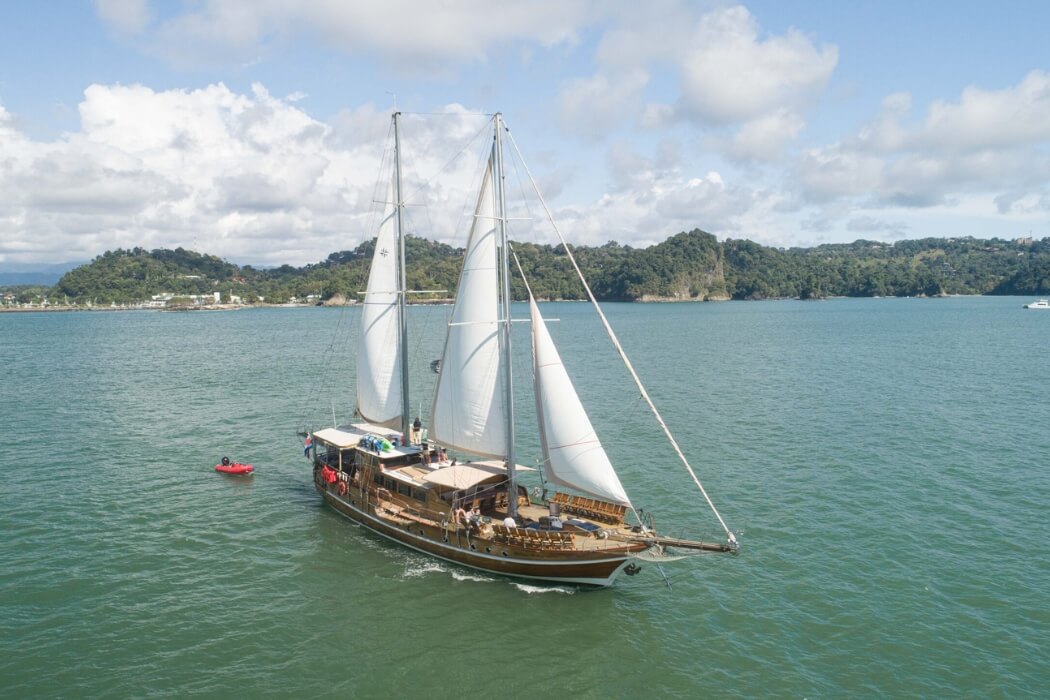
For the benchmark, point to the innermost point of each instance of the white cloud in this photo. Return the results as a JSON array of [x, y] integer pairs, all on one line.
[[125, 16], [653, 198], [408, 33], [656, 115], [162, 169], [881, 228], [991, 119], [836, 171], [985, 154], [765, 138], [728, 78], [595, 105], [249, 177], [730, 75], [885, 133], [640, 34]]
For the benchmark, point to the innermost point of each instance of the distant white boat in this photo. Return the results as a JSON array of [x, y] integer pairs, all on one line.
[[1041, 304]]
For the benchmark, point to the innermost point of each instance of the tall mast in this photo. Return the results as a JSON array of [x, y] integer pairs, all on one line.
[[501, 218], [402, 282]]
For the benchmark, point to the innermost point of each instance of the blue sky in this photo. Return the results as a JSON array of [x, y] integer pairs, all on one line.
[[252, 129]]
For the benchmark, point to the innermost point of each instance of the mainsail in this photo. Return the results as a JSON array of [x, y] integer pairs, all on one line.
[[574, 455], [379, 357], [468, 410]]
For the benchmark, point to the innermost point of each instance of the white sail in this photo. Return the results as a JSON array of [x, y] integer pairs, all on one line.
[[468, 404], [574, 455], [379, 356]]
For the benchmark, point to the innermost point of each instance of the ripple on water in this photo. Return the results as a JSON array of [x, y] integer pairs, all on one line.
[[878, 453]]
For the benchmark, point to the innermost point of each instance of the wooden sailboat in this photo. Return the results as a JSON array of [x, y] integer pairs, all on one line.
[[471, 509]]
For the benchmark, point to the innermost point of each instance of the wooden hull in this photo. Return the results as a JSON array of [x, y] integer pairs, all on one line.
[[588, 568]]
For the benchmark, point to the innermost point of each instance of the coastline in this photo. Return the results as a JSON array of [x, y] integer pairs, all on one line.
[[438, 302]]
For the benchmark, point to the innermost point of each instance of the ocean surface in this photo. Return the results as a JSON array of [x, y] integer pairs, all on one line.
[[884, 461]]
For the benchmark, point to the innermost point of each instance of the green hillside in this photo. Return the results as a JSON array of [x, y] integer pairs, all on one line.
[[687, 266]]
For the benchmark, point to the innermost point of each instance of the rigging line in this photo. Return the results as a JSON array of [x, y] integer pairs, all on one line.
[[439, 171], [416, 342], [483, 157], [450, 114], [342, 327], [327, 358], [619, 348]]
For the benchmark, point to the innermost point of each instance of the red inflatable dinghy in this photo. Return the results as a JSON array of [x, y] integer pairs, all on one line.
[[228, 467]]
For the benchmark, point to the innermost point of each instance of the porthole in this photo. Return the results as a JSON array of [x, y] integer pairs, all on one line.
[[488, 550], [504, 552], [473, 548], [421, 532]]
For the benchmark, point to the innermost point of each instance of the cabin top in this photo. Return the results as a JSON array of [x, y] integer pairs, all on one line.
[[348, 436]]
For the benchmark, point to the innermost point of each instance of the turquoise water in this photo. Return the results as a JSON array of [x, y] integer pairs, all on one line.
[[885, 459]]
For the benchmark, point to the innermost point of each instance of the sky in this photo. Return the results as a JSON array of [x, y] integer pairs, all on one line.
[[255, 130]]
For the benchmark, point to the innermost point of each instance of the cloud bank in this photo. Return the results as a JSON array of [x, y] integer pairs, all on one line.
[[695, 116]]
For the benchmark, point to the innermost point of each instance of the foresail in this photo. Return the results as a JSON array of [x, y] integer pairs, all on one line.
[[574, 455], [379, 355], [468, 405]]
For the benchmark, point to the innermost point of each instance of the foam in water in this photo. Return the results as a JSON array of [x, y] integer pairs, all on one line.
[[530, 589], [464, 576], [417, 570]]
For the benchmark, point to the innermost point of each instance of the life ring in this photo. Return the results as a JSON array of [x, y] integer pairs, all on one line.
[[341, 488]]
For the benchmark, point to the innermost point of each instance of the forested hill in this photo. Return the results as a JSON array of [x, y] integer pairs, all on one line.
[[688, 266]]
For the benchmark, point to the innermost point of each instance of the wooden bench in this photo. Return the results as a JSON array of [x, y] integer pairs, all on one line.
[[591, 508], [532, 538]]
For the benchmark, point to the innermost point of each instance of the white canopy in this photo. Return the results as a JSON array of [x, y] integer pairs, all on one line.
[[463, 476], [338, 438]]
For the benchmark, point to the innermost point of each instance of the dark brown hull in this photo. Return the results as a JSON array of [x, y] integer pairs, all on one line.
[[588, 568]]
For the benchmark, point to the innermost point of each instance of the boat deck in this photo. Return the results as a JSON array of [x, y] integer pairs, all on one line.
[[577, 533]]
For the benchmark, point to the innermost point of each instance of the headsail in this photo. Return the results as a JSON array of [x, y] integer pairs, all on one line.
[[574, 455], [379, 357], [468, 404]]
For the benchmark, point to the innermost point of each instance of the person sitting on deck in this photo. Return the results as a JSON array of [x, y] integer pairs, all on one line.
[[462, 516], [509, 522], [225, 461]]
